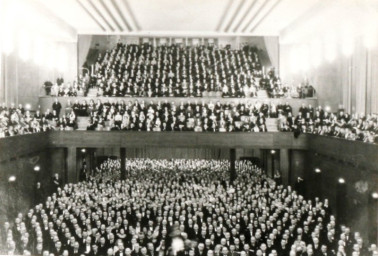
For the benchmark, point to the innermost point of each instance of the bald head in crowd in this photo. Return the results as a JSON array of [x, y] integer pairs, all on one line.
[[180, 207]]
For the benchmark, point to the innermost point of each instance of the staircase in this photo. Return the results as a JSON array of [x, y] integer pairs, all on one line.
[[262, 94], [272, 124], [82, 122]]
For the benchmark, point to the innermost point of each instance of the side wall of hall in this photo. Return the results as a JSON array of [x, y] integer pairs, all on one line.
[[19, 195], [350, 82], [360, 183], [39, 47]]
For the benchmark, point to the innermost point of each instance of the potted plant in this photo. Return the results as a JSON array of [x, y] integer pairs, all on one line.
[[47, 86]]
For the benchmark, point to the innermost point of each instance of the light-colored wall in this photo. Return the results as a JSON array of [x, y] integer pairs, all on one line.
[[22, 78], [350, 82]]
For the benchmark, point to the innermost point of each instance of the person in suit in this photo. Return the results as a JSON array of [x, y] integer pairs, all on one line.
[[181, 197], [57, 106], [56, 181], [39, 193]]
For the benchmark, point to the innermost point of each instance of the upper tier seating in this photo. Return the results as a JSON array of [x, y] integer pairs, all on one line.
[[175, 71]]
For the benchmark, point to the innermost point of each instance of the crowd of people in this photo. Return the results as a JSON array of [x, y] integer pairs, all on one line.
[[190, 116], [180, 207], [324, 122], [175, 71], [18, 121], [62, 89]]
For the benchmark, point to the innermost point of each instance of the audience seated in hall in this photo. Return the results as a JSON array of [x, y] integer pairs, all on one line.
[[176, 71], [324, 122], [190, 116], [180, 207], [18, 121]]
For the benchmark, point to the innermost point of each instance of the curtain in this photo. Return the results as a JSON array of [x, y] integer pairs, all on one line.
[[271, 45]]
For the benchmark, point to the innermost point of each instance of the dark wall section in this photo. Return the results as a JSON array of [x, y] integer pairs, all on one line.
[[359, 182], [58, 162], [298, 165], [19, 195]]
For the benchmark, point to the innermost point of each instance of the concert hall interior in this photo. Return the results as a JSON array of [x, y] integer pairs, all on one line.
[[196, 127]]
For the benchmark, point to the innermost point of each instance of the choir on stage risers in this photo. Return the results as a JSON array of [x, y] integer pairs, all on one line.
[[180, 207], [339, 124], [176, 71]]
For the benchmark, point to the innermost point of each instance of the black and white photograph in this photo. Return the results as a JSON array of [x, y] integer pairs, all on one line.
[[189, 127]]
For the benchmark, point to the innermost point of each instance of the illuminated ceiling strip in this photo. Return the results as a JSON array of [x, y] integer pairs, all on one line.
[[111, 15], [126, 3], [254, 16], [116, 6], [236, 12], [100, 14], [265, 15], [91, 15], [248, 10], [224, 15]]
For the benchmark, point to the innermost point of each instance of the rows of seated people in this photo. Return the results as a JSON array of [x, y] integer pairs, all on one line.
[[199, 117], [62, 89], [339, 124], [180, 207], [175, 71], [18, 121]]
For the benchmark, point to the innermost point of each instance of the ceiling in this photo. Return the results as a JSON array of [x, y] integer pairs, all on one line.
[[229, 17]]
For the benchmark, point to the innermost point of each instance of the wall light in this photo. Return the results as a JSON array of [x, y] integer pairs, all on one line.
[[370, 35], [375, 195], [24, 45], [304, 58], [316, 53], [317, 170], [7, 43], [347, 46], [12, 178], [330, 48], [272, 151], [294, 65], [61, 59], [39, 50], [83, 150], [341, 180], [37, 168]]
